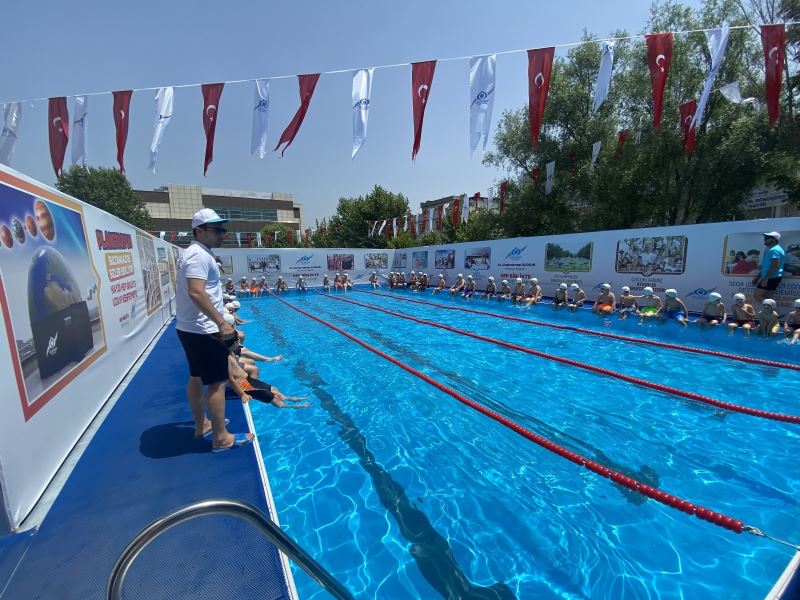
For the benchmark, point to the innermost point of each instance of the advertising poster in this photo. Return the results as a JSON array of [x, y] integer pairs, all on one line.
[[419, 259], [309, 265], [400, 260], [150, 273], [341, 262], [477, 258], [172, 270], [262, 263], [116, 248], [568, 257], [163, 266], [225, 262], [48, 293], [376, 260], [445, 259], [652, 255]]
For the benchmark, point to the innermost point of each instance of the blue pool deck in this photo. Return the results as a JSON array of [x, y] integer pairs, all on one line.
[[142, 463]]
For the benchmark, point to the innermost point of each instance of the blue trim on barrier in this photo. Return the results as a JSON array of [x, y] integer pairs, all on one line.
[[142, 463]]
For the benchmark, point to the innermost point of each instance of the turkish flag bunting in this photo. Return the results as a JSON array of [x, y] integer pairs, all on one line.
[[249, 240], [503, 186], [689, 133], [58, 132], [412, 226], [621, 139], [388, 228], [659, 59], [307, 85], [439, 216], [535, 172], [269, 238], [122, 102], [421, 82], [540, 67], [211, 95], [456, 212], [290, 237], [773, 40]]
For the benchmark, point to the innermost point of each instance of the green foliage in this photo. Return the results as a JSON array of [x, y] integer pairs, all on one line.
[[107, 189], [283, 236], [349, 227]]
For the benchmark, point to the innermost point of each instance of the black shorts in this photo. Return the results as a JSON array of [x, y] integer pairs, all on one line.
[[206, 355], [262, 391], [771, 284]]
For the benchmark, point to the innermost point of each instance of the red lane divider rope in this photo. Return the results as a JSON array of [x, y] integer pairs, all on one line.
[[764, 414], [605, 334], [656, 494]]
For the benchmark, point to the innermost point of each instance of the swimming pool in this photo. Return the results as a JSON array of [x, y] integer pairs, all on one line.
[[403, 492]]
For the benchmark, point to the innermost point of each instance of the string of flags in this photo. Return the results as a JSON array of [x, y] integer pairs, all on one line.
[[482, 70]]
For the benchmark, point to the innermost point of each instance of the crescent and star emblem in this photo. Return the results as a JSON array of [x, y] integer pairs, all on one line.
[[663, 58], [209, 109], [773, 54], [121, 115], [538, 81], [57, 125], [688, 120], [420, 89]]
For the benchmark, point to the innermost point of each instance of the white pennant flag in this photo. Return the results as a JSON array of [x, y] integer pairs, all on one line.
[[275, 237], [12, 115], [717, 42], [405, 224], [481, 92], [595, 152], [299, 237], [164, 103], [239, 239], [490, 198], [258, 139], [464, 208], [161, 234], [732, 92], [604, 75], [258, 238], [383, 226], [420, 224], [551, 170], [362, 92], [430, 219], [394, 227], [372, 231], [80, 115]]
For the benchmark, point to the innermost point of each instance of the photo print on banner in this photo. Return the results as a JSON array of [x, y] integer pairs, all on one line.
[[225, 262], [445, 259], [48, 291], [652, 255], [263, 263], [400, 260], [568, 258], [419, 259], [341, 262], [150, 272], [478, 258], [376, 260]]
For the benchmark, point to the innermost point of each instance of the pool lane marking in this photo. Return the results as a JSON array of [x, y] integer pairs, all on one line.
[[755, 412], [613, 336], [706, 514]]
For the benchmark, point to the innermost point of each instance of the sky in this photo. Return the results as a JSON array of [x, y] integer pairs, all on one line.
[[53, 49]]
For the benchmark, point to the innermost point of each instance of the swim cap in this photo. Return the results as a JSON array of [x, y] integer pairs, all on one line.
[[648, 291], [491, 278], [563, 286], [374, 273], [244, 277], [403, 273], [236, 304], [469, 276], [391, 272], [625, 288], [325, 275], [768, 302], [229, 319], [504, 281], [671, 293], [300, 277], [797, 303], [574, 286], [441, 276], [413, 272], [741, 297], [714, 296], [279, 277], [337, 274], [518, 280], [460, 275], [229, 279], [606, 286], [534, 280]]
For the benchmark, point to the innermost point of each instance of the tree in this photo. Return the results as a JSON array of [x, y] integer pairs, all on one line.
[[349, 227], [107, 189], [282, 230]]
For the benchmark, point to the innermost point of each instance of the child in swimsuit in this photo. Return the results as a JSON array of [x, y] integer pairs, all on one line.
[[244, 289], [229, 287], [534, 293], [491, 289], [469, 289], [791, 326], [248, 388], [674, 308], [458, 285], [560, 298], [627, 303], [440, 284], [768, 318], [281, 286], [605, 303], [300, 284], [505, 291], [518, 295], [326, 285], [744, 315], [713, 311], [578, 298], [650, 305], [423, 283]]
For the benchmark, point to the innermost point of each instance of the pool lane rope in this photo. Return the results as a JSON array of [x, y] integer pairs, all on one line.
[[755, 412], [701, 512], [605, 334]]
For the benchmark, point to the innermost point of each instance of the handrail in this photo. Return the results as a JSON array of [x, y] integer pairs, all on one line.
[[235, 508]]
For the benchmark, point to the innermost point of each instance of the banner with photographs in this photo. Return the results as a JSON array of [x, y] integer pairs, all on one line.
[[263, 263], [568, 257], [376, 260], [478, 258], [79, 296], [399, 260], [652, 255], [341, 262], [419, 259]]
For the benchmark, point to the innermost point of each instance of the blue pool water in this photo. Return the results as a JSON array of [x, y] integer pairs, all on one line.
[[403, 492]]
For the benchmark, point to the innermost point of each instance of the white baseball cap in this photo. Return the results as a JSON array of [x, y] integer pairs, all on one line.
[[773, 234], [280, 277], [300, 277], [205, 216]]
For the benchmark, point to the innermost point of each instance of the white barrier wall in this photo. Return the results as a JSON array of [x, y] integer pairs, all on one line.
[[82, 293], [694, 259]]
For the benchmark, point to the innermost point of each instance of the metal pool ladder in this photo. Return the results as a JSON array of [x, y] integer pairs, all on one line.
[[225, 506]]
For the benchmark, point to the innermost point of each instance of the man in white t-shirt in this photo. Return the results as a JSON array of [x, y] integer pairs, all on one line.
[[202, 331]]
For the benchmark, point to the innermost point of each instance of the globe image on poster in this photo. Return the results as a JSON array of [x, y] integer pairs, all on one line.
[[51, 284], [19, 230], [31, 225], [5, 236]]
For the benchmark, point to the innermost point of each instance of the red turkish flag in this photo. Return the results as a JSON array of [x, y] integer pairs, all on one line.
[[211, 95], [689, 133], [269, 238], [440, 216], [456, 212], [503, 186], [540, 67], [421, 82], [535, 172], [773, 40], [307, 85], [621, 139], [388, 227], [659, 59], [412, 224], [290, 237], [58, 132], [122, 102]]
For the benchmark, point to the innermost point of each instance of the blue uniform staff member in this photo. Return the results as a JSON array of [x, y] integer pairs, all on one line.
[[771, 273], [202, 331]]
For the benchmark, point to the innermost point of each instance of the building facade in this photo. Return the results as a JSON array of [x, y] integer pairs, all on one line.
[[171, 207]]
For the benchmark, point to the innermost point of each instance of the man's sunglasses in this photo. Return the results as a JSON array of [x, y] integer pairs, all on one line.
[[219, 230]]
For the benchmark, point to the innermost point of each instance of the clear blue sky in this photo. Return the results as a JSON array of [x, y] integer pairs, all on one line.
[[53, 49]]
